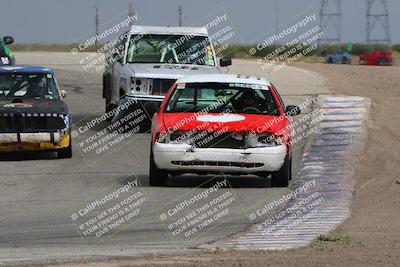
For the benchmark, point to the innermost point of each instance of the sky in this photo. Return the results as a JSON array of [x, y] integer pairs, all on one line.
[[65, 21]]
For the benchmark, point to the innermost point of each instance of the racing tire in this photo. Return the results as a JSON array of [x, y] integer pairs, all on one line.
[[157, 177], [109, 108], [281, 178], [65, 153], [145, 126]]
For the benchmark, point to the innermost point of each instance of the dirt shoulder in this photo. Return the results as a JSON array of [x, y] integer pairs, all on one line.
[[371, 236]]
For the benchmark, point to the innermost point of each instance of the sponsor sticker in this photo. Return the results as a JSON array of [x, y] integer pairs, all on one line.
[[248, 85], [18, 105], [258, 86], [181, 85]]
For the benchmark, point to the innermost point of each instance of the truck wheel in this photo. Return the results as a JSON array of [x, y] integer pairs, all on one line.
[[281, 178], [65, 153], [145, 126], [110, 107], [157, 177]]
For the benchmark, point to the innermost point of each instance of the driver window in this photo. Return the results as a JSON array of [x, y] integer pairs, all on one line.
[[144, 51], [22, 90]]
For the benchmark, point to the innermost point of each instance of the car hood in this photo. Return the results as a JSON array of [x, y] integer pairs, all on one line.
[[33, 106], [170, 71], [223, 122]]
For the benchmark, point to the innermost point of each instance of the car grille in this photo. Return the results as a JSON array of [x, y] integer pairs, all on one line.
[[218, 140], [218, 164], [27, 122], [161, 86], [205, 139]]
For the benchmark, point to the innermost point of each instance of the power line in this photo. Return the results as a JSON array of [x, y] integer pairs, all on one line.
[[276, 16], [180, 16], [97, 25], [131, 12], [331, 16], [376, 18]]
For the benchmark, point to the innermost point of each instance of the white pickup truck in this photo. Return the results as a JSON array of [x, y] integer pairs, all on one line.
[[147, 60]]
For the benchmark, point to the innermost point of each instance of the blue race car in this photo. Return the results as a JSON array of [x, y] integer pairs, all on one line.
[[339, 58], [33, 114]]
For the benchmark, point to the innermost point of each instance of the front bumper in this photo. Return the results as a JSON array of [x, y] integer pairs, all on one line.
[[10, 142], [184, 158]]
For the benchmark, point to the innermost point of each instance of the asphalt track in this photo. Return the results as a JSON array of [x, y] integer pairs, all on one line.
[[38, 193]]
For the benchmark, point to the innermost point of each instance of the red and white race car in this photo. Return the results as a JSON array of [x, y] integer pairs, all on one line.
[[222, 123]]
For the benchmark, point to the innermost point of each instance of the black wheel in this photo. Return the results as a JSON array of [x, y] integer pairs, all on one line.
[[330, 60], [145, 125], [362, 61], [65, 153], [382, 62], [281, 178], [157, 177], [110, 107]]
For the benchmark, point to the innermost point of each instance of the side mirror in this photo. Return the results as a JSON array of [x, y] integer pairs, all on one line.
[[292, 111], [224, 62], [119, 58], [8, 40], [63, 93], [116, 57]]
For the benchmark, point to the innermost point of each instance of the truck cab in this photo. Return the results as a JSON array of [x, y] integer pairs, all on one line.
[[147, 60]]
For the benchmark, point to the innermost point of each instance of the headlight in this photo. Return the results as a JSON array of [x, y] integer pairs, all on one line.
[[177, 137], [139, 85], [263, 140], [253, 140], [269, 140], [162, 137]]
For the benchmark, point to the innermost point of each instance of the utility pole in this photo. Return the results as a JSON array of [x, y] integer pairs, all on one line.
[[180, 16], [375, 17], [131, 12], [97, 26], [331, 16], [276, 16]]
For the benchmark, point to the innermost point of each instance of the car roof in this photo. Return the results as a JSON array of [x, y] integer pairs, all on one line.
[[24, 69], [224, 78], [197, 31]]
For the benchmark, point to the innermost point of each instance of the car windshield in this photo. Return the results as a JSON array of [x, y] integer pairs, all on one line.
[[28, 86], [170, 49], [222, 97]]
